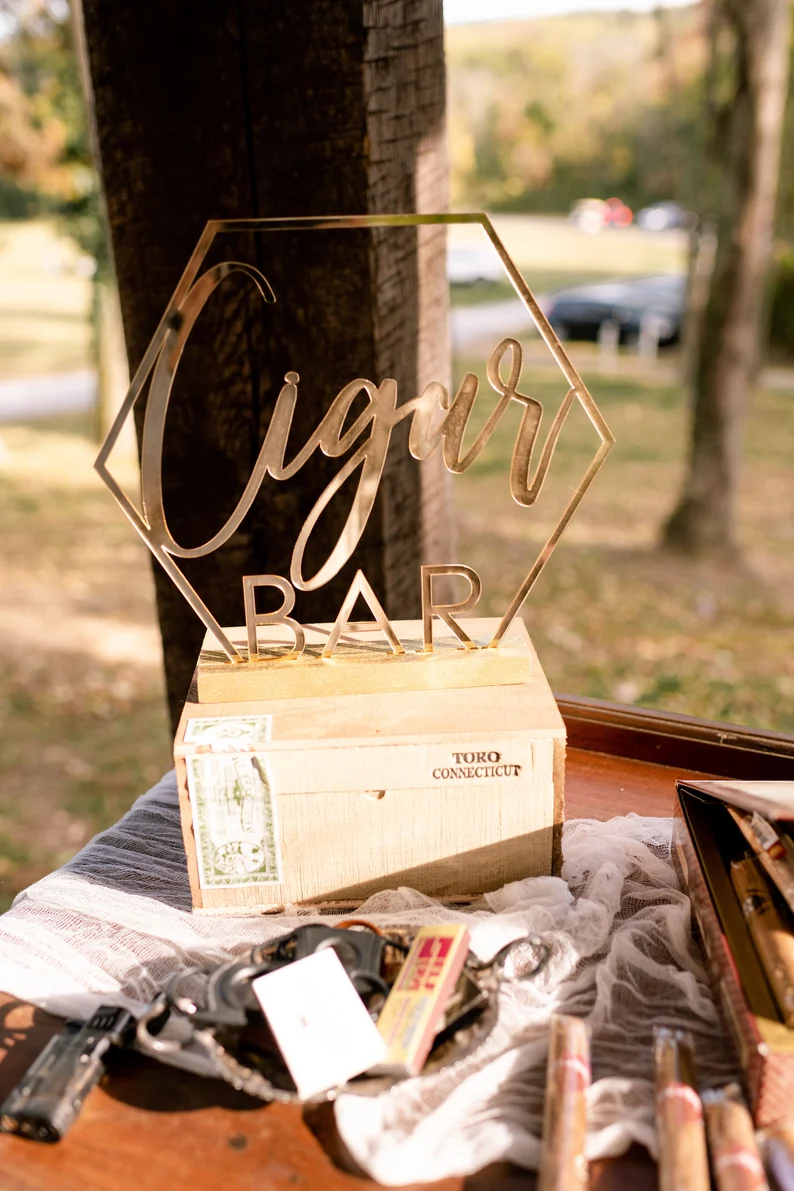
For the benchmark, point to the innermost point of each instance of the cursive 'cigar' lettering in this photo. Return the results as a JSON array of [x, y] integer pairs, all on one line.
[[436, 419]]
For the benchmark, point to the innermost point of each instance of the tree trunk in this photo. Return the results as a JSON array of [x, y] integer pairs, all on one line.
[[727, 347], [210, 110]]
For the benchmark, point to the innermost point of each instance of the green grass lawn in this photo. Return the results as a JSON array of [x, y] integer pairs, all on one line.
[[614, 617], [82, 711], [552, 254], [552, 244], [44, 302]]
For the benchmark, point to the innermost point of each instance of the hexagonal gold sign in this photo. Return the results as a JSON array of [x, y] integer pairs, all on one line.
[[438, 421]]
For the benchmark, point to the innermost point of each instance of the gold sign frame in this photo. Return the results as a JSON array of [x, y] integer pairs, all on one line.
[[162, 357]]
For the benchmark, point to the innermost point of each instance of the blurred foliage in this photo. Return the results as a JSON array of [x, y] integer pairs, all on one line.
[[545, 112], [541, 113], [781, 314], [46, 161]]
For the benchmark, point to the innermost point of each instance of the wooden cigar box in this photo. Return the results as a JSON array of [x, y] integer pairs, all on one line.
[[444, 784], [705, 839]]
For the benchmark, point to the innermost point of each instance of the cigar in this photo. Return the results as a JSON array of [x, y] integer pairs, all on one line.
[[563, 1166], [735, 1158], [683, 1159], [769, 848], [784, 830], [777, 1147], [770, 929]]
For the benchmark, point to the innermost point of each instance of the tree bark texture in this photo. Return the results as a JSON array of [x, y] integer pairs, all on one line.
[[749, 134], [208, 110]]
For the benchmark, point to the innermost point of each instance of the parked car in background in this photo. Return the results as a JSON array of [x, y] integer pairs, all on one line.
[[589, 214], [468, 266], [618, 214], [663, 217], [579, 313], [593, 215]]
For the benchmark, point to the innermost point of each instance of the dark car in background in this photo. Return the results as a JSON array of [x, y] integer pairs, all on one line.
[[580, 313]]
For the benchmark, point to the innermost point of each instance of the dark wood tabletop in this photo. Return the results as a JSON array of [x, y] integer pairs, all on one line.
[[152, 1128]]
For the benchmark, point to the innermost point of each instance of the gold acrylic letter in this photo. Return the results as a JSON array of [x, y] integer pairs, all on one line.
[[524, 492], [444, 611], [254, 618], [159, 537], [370, 456], [361, 587]]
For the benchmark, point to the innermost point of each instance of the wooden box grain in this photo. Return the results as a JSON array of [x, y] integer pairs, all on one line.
[[448, 791]]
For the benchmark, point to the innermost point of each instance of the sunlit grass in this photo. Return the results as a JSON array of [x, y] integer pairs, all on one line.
[[44, 302], [614, 617], [82, 711], [553, 245]]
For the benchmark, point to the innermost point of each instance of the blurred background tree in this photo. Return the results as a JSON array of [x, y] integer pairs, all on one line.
[[548, 111], [47, 166], [681, 104], [46, 162], [749, 74]]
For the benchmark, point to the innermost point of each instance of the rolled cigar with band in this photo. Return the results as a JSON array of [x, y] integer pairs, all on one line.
[[769, 924], [563, 1166], [735, 1157], [683, 1158], [777, 1147], [768, 848]]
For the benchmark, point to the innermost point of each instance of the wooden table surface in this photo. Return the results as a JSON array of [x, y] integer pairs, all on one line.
[[152, 1128]]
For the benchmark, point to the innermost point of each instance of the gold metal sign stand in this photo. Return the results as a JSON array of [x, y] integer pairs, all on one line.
[[304, 772], [437, 420]]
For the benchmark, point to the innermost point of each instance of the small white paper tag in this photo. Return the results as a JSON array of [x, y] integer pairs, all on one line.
[[319, 1022], [767, 836]]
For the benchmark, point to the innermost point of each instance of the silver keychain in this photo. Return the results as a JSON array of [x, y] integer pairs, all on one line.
[[189, 1033]]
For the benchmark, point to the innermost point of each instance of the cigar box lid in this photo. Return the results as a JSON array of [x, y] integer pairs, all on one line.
[[466, 737], [523, 707], [773, 800], [363, 662]]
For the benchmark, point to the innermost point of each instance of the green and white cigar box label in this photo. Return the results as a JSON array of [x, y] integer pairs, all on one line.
[[234, 820], [226, 733]]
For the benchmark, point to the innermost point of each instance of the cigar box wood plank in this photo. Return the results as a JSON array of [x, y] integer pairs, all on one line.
[[364, 789], [363, 663], [528, 708], [340, 845], [186, 819], [410, 767]]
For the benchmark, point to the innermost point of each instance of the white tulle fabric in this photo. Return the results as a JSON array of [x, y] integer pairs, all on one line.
[[115, 923]]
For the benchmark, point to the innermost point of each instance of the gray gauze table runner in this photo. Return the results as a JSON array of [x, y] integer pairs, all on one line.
[[115, 923]]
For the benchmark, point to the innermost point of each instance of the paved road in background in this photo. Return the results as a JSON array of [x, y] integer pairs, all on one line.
[[43, 396], [474, 329], [483, 325]]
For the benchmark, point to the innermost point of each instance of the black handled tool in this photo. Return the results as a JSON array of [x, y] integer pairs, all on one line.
[[47, 1100]]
